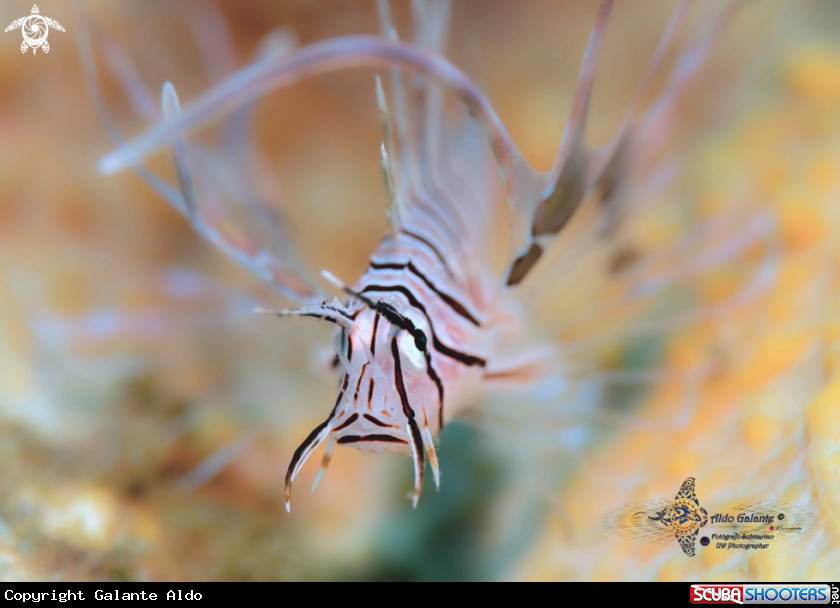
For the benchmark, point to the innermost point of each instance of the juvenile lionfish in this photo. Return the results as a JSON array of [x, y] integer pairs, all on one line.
[[433, 323]]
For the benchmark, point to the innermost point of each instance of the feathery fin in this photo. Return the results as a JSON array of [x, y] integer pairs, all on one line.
[[569, 184], [431, 454], [540, 203], [331, 313], [415, 440], [172, 110], [325, 462], [578, 171], [330, 55], [388, 180], [302, 454], [278, 271]]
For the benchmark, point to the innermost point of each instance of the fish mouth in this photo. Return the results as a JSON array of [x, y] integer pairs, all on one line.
[[366, 429], [374, 438], [370, 436], [367, 433]]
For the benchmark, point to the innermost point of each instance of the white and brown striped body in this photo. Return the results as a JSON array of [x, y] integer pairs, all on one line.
[[396, 394], [412, 277]]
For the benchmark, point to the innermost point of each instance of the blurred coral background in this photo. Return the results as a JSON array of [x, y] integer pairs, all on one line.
[[129, 355]]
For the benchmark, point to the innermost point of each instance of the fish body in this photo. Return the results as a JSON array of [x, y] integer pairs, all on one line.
[[415, 346], [409, 274]]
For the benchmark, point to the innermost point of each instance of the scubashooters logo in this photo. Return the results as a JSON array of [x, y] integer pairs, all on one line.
[[762, 594], [750, 525]]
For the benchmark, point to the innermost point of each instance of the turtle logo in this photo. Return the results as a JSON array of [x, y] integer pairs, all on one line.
[[35, 30]]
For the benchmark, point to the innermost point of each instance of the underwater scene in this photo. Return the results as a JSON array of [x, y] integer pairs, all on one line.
[[563, 273]]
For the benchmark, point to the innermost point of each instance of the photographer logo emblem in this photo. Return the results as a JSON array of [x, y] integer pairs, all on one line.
[[35, 28]]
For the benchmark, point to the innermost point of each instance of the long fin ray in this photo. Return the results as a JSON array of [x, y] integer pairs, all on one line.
[[280, 269], [352, 51], [578, 171], [567, 177], [426, 193]]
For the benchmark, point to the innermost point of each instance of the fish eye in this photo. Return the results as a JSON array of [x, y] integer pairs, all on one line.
[[341, 342], [419, 330], [420, 340], [410, 354]]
